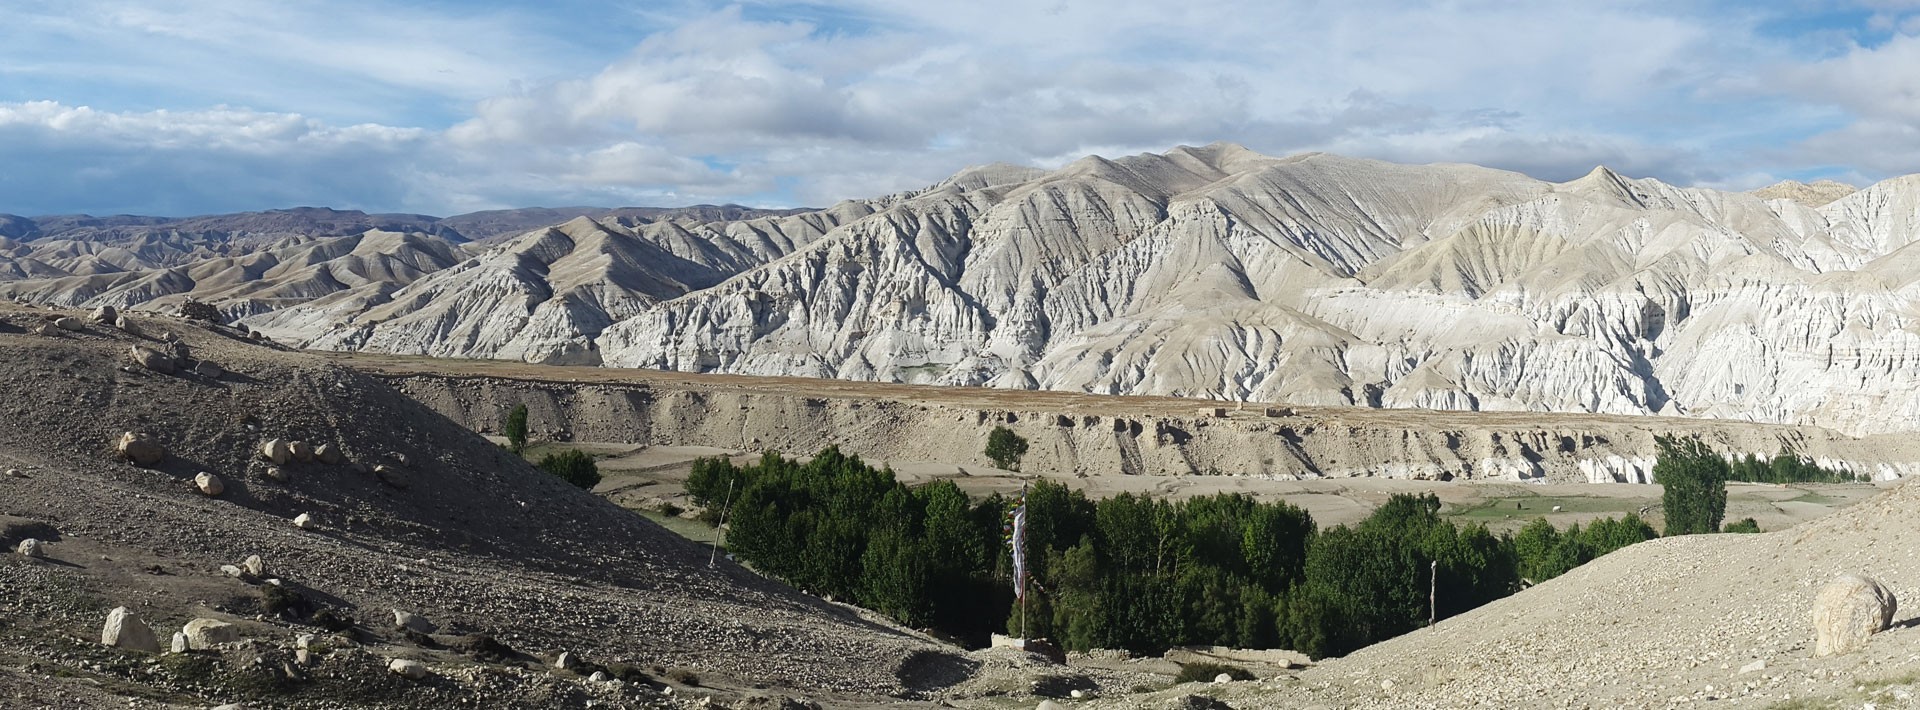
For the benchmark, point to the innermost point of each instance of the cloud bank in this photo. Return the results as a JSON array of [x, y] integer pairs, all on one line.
[[441, 108]]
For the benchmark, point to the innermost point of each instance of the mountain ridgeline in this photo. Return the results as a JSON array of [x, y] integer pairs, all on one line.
[[1211, 272]]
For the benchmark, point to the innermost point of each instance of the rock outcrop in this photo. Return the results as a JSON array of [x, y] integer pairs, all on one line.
[[1847, 611]]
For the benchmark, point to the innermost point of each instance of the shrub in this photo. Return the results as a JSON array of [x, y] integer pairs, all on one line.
[[684, 676], [280, 601], [516, 429], [1204, 672], [1005, 448], [573, 466], [1743, 525]]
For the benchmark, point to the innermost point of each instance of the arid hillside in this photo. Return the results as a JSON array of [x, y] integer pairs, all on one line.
[[405, 509]]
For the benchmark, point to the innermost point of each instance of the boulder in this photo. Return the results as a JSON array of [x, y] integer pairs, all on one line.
[[140, 449], [107, 315], [68, 323], [328, 454], [203, 634], [126, 326], [180, 644], [254, 567], [209, 483], [565, 661], [302, 451], [408, 621], [153, 360], [600, 677], [232, 571], [125, 630], [208, 369], [31, 547], [305, 521], [1847, 611], [1223, 678], [277, 452], [410, 670]]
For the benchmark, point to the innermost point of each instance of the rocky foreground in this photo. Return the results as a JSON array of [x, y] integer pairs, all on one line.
[[305, 536]]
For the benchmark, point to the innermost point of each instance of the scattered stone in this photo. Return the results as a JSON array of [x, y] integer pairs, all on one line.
[[303, 641], [68, 323], [1077, 694], [230, 706], [204, 634], [303, 656], [1050, 705], [304, 521], [126, 326], [140, 449], [410, 670], [232, 570], [301, 451], [153, 360], [1223, 678], [16, 473], [276, 473], [125, 630], [254, 567], [565, 661], [105, 315], [1386, 684], [277, 452], [407, 621], [180, 642], [599, 677], [209, 483], [208, 369], [1754, 667], [31, 547], [328, 454], [1847, 611]]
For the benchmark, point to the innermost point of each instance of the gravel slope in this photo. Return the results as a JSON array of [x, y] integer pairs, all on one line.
[[456, 530]]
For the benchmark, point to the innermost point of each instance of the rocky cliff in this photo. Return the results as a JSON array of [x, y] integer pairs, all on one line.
[[1210, 272]]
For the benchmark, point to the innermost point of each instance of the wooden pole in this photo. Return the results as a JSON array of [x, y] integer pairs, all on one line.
[[714, 556], [1433, 592]]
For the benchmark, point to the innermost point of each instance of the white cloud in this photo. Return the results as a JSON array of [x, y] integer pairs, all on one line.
[[849, 98]]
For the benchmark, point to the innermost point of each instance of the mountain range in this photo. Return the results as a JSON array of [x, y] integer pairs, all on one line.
[[1211, 272]]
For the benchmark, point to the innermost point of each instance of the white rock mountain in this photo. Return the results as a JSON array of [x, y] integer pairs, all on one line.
[[1212, 272]]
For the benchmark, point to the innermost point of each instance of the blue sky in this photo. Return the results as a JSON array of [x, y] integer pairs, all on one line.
[[183, 107]]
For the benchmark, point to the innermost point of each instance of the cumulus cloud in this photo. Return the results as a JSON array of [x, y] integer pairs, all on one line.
[[779, 103]]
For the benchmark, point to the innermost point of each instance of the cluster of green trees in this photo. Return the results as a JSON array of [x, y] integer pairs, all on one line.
[[1785, 467], [1129, 571], [928, 557], [1543, 552]]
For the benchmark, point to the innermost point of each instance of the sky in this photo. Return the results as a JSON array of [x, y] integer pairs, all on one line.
[[184, 107]]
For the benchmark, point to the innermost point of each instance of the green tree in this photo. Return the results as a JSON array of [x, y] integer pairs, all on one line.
[[1694, 483], [1743, 525], [516, 428], [573, 466], [1005, 448]]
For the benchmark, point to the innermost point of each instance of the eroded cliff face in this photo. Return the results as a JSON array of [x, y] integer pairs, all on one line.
[[1222, 274], [1105, 436], [1212, 272]]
